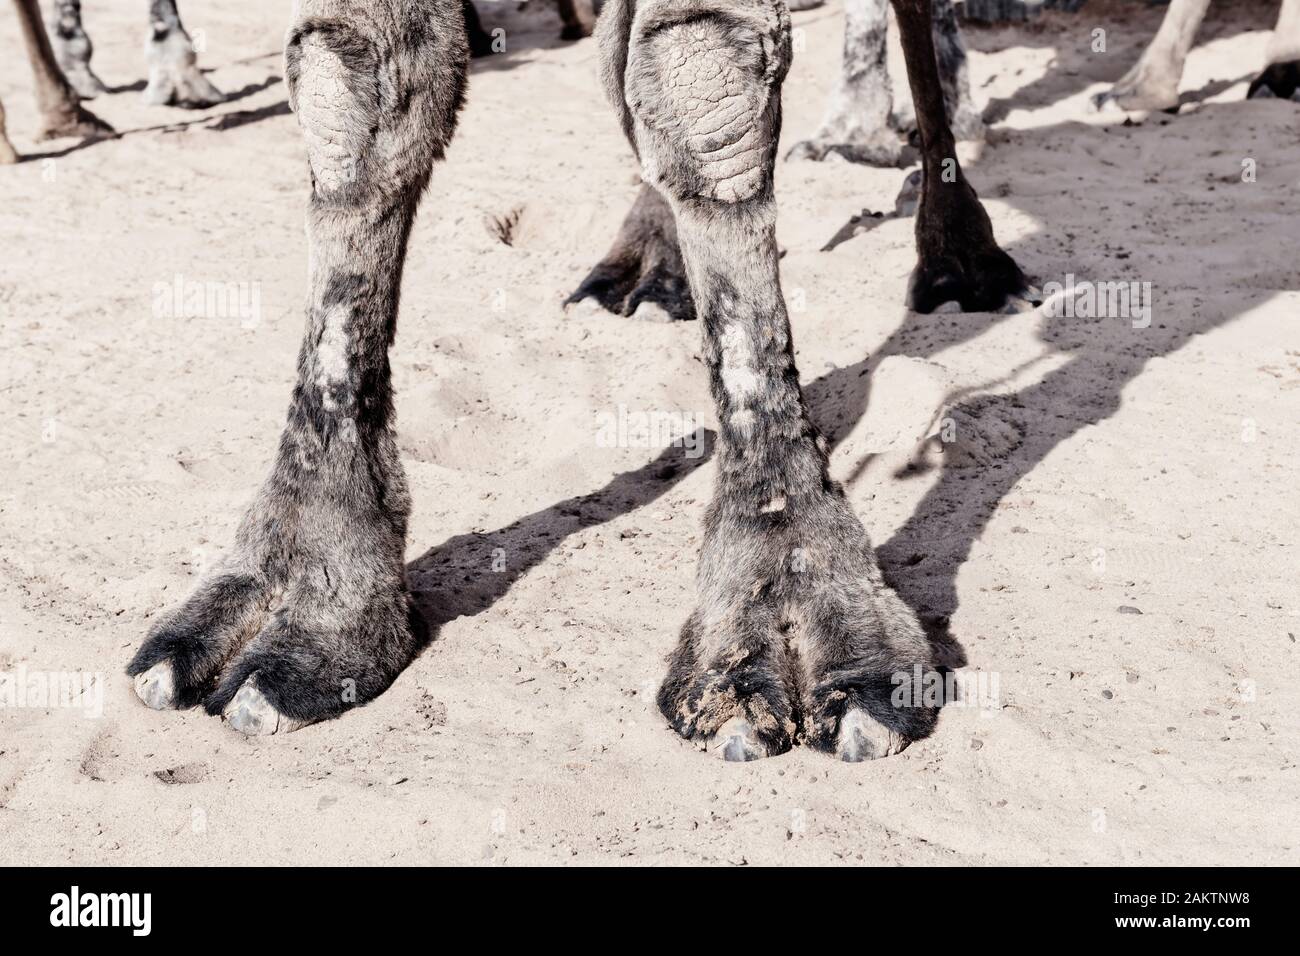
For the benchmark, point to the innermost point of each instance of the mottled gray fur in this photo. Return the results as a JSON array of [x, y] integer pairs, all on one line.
[[174, 75], [794, 628], [72, 47], [309, 613], [958, 258]]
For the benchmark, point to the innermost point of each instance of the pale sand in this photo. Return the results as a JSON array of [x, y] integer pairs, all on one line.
[[527, 732]]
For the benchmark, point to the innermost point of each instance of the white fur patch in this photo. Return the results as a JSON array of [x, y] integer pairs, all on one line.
[[332, 353], [739, 377]]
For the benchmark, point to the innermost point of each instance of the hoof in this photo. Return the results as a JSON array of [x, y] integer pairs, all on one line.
[[886, 152], [76, 123], [157, 686], [86, 84], [736, 741], [251, 713], [1280, 80], [862, 738], [1116, 101]]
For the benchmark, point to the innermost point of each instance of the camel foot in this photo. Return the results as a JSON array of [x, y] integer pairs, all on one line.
[[1281, 80], [174, 75], [86, 84], [1138, 95], [883, 148], [74, 122], [642, 274], [801, 642]]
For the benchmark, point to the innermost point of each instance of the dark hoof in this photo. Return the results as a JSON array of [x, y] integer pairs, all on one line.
[[1281, 80], [984, 281]]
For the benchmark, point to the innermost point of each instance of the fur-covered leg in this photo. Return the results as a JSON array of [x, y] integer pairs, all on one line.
[[856, 126], [72, 47], [958, 259], [310, 615], [61, 111], [578, 17], [174, 75], [8, 155], [698, 85], [1281, 77]]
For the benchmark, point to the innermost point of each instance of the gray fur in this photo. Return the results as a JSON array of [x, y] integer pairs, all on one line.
[[309, 613], [72, 47], [794, 625], [174, 75]]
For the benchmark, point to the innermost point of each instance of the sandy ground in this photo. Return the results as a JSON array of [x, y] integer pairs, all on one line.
[[1098, 467]]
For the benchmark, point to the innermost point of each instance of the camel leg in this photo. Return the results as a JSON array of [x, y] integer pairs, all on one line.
[[1281, 76], [954, 72], [61, 112], [1152, 83], [865, 114], [174, 75], [795, 636], [309, 613], [480, 42], [72, 47], [856, 125], [958, 259], [578, 17], [8, 155]]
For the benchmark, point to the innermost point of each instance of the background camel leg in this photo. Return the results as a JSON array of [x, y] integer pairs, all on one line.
[[643, 269], [578, 17], [865, 113], [1152, 83], [309, 614], [60, 109], [174, 75], [72, 47], [795, 636], [1281, 76], [958, 259], [8, 155], [857, 121]]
